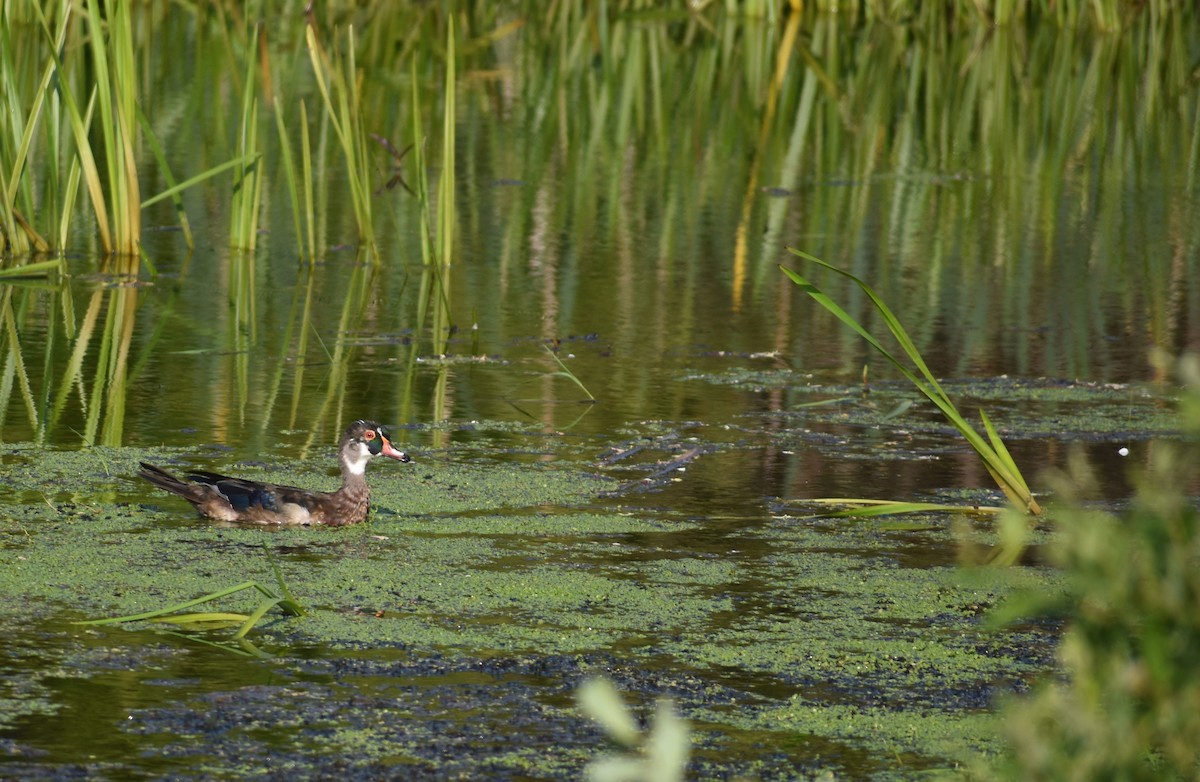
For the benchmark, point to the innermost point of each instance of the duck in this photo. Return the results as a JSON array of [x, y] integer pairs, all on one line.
[[225, 499]]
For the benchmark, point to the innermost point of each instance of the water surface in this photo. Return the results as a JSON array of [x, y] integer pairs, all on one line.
[[627, 209]]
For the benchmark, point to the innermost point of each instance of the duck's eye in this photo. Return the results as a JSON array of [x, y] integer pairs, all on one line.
[[369, 434]]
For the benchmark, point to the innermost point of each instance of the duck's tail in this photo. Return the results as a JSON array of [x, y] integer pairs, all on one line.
[[165, 480]]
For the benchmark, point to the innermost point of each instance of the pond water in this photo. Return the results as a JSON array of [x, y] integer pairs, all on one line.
[[622, 209]]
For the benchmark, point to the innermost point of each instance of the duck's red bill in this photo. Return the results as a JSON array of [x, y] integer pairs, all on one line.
[[389, 450]]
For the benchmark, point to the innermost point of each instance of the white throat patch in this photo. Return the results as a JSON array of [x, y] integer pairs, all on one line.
[[357, 457]]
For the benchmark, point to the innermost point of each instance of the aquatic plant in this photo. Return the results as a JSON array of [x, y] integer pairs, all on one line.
[[564, 371], [116, 97], [113, 95], [437, 221], [246, 201], [659, 754], [88, 113], [337, 81], [300, 188], [283, 599], [992, 451], [1125, 705], [17, 235]]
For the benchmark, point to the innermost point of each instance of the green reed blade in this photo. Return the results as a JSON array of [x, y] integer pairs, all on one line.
[[446, 187], [36, 269], [306, 159], [289, 604], [70, 193], [257, 614], [289, 175], [933, 391], [177, 607], [567, 373], [243, 648], [79, 130], [998, 463], [336, 81], [1002, 451], [247, 186], [115, 85], [869, 508], [22, 129], [173, 189], [206, 618]]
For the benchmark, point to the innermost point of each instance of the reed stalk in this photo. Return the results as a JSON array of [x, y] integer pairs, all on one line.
[[116, 98], [564, 371], [437, 243], [991, 450], [446, 212], [106, 128], [337, 81], [18, 237], [246, 202], [300, 188]]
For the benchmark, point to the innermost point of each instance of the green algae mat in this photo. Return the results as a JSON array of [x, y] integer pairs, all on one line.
[[446, 637]]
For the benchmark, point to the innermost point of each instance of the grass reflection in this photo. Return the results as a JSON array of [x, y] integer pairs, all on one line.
[[653, 167]]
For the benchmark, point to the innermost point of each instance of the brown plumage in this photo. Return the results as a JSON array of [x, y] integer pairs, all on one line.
[[223, 498]]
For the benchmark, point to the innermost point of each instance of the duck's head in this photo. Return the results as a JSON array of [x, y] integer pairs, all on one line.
[[362, 442]]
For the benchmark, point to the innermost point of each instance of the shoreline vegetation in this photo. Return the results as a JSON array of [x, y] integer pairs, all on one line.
[[85, 147]]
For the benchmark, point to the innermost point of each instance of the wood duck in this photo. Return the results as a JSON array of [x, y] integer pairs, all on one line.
[[223, 498]]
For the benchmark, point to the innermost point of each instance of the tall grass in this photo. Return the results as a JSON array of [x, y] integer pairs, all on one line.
[[337, 80], [116, 95], [24, 113], [17, 235], [904, 152], [92, 132], [436, 232], [248, 177], [299, 186]]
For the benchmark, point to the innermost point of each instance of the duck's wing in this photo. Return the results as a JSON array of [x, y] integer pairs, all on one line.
[[246, 495]]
